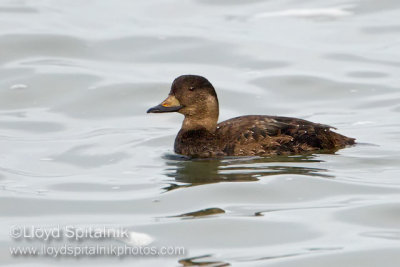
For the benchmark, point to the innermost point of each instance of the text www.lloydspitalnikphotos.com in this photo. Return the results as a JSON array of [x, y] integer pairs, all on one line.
[[69, 241], [95, 250]]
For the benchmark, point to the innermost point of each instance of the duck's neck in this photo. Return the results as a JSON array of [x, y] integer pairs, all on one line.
[[204, 117], [189, 124]]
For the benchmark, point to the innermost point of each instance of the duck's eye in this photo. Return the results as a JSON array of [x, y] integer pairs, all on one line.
[[191, 88]]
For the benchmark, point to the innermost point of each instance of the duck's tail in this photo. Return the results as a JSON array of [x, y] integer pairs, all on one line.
[[333, 140]]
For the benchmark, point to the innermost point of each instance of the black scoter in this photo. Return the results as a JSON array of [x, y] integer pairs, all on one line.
[[201, 136]]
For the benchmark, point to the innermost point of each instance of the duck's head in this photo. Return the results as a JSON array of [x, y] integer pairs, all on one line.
[[195, 97]]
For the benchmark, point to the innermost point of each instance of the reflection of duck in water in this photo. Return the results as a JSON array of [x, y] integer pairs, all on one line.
[[199, 172], [202, 136]]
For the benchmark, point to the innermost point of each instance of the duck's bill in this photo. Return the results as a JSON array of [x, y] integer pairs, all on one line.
[[171, 104], [160, 109]]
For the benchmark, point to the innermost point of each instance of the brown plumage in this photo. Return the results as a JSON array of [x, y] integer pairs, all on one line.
[[252, 135]]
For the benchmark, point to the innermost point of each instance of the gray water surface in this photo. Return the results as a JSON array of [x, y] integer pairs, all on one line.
[[76, 78]]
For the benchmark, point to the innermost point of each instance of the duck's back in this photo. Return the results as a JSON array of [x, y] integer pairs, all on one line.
[[256, 135], [273, 135]]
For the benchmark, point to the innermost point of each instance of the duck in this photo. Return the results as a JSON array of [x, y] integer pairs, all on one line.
[[201, 136]]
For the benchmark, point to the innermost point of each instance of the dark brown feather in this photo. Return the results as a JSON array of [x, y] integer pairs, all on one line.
[[260, 136]]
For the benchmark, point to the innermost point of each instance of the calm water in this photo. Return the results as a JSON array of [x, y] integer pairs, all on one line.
[[77, 147]]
